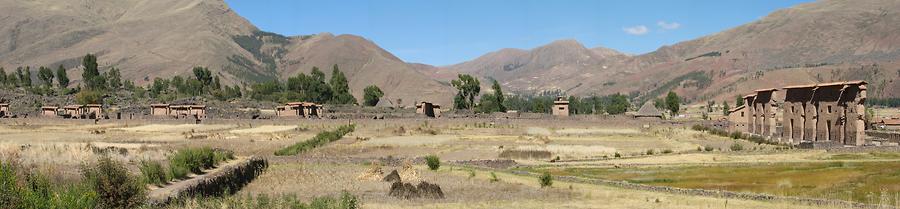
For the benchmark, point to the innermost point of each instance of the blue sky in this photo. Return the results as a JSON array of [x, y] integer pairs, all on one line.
[[444, 32]]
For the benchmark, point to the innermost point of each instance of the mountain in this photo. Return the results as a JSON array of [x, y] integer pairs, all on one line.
[[560, 65], [163, 38], [815, 42]]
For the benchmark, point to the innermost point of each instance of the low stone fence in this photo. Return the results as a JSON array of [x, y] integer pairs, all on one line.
[[227, 180], [888, 135]]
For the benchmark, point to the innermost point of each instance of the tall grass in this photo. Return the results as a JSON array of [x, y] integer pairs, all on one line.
[[152, 172], [184, 162], [319, 140]]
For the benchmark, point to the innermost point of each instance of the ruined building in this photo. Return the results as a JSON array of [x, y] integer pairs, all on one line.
[[428, 109], [4, 111], [825, 113], [300, 109], [739, 118], [178, 111], [762, 108]]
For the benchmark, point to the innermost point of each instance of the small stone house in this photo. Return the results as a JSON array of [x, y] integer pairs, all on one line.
[[428, 109], [93, 111], [561, 107], [74, 111], [49, 111], [737, 118], [300, 109], [160, 110], [4, 110]]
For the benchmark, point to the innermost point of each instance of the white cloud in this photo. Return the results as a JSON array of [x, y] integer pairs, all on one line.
[[637, 30], [668, 25]]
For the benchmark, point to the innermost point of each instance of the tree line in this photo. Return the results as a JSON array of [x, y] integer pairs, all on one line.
[[468, 88], [314, 88]]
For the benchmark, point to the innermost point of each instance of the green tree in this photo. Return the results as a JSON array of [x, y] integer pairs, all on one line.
[[673, 102], [725, 108], [659, 103], [498, 96], [91, 75], [3, 80], [739, 101], [88, 97], [203, 75], [316, 89], [159, 86], [62, 78], [340, 88], [618, 104], [371, 95], [217, 84], [46, 76], [24, 76], [468, 88], [114, 79]]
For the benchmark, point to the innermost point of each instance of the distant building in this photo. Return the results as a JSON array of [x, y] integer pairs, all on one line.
[[159, 110], [561, 107], [178, 111], [428, 109], [648, 110], [737, 118], [888, 124], [762, 112], [826, 113], [49, 111], [4, 111], [300, 109]]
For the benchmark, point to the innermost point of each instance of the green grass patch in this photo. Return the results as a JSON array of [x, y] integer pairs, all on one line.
[[319, 140], [866, 182]]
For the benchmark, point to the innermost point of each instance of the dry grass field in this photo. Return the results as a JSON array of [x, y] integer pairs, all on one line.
[[653, 153]]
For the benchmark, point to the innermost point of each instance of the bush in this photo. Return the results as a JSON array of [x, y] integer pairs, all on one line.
[[736, 147], [494, 177], [195, 160], [153, 173], [737, 135], [37, 192], [708, 149], [667, 151], [618, 155], [114, 186], [546, 179], [649, 152], [433, 162], [319, 140]]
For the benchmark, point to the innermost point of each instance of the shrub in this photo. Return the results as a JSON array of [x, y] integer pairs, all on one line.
[[153, 173], [546, 179], [618, 155], [699, 149], [114, 186], [649, 152], [708, 149], [736, 147], [494, 177], [667, 151], [194, 160], [433, 162], [319, 140], [10, 192], [737, 135]]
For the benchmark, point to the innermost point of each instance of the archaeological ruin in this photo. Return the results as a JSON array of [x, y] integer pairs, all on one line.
[[178, 111], [428, 109], [300, 109], [4, 111], [827, 114]]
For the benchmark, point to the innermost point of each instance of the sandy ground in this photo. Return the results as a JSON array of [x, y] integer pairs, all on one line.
[[63, 146], [263, 129]]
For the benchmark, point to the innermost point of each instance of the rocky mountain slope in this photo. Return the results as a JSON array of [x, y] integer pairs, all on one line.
[[814, 42], [163, 38]]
